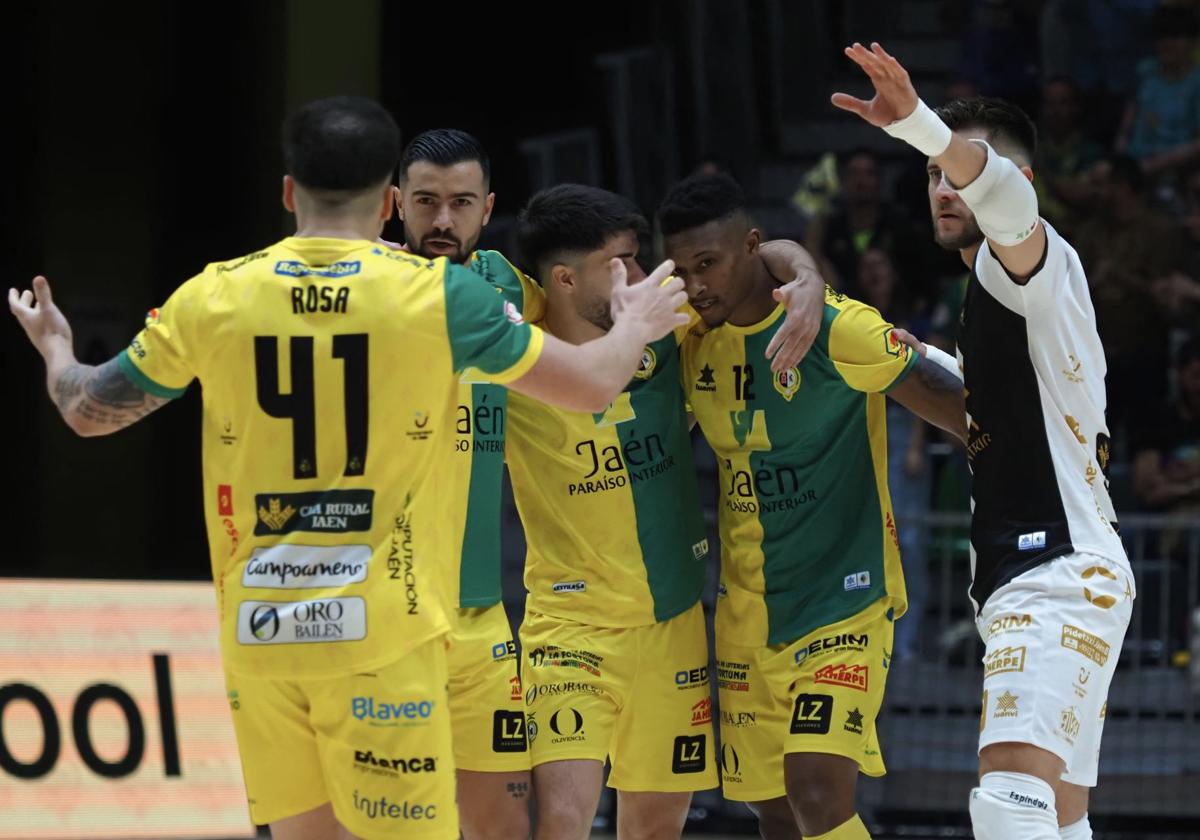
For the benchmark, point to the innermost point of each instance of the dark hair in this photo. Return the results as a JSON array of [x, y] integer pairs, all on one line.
[[1125, 170], [445, 147], [340, 144], [1002, 120], [698, 200], [573, 218]]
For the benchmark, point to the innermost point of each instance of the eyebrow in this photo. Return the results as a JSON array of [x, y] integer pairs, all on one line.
[[433, 194], [701, 253]]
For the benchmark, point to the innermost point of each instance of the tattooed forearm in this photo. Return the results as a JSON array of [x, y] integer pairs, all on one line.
[[935, 377], [100, 400], [111, 387], [68, 386]]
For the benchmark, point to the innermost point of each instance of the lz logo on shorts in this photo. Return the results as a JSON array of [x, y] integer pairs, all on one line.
[[847, 676], [688, 755], [1081, 641], [812, 714], [1004, 659], [1104, 602], [508, 731]]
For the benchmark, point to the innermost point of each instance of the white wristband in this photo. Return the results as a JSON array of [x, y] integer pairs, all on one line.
[[943, 359], [923, 130]]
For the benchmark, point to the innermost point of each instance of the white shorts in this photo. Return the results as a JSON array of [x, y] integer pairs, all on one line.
[[1053, 636]]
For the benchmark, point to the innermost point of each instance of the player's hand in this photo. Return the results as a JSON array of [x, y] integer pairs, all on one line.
[[804, 301], [651, 307], [905, 337], [42, 321], [895, 97]]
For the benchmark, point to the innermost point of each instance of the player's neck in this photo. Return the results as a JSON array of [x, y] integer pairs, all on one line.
[[563, 322], [337, 227], [969, 254], [759, 302]]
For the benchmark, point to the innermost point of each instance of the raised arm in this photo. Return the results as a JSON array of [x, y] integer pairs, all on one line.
[[92, 400], [999, 193]]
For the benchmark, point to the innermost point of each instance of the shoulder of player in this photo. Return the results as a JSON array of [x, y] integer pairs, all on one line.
[[235, 266], [1059, 256]]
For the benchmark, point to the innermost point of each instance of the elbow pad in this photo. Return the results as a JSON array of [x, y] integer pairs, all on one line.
[[1002, 199]]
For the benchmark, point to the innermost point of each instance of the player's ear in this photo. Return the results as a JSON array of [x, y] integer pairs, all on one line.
[[398, 199], [562, 277], [389, 203], [289, 194], [1027, 172], [488, 204], [753, 240]]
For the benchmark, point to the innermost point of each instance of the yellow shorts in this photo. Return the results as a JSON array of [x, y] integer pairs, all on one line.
[[818, 694], [487, 706], [376, 745], [637, 695]]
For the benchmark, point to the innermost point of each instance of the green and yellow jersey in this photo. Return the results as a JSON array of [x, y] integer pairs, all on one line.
[[473, 492], [329, 370], [609, 501], [807, 532]]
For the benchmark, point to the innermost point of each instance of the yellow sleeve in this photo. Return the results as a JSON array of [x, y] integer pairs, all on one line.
[[865, 351], [533, 298], [694, 324], [161, 359]]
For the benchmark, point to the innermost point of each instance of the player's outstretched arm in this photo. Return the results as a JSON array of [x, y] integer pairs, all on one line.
[[93, 400], [1000, 195], [802, 294], [588, 377]]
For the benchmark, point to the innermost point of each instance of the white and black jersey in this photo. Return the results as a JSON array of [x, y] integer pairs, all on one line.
[[1038, 444]]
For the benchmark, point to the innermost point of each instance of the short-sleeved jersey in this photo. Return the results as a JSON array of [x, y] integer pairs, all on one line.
[[807, 532], [329, 376], [612, 516], [473, 493], [1037, 439]]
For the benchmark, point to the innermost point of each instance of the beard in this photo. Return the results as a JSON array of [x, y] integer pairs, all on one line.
[[968, 237], [598, 313], [417, 246]]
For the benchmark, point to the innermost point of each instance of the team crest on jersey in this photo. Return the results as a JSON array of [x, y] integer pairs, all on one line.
[[894, 346], [787, 382], [646, 366]]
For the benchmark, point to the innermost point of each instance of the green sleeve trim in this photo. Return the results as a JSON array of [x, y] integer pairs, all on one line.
[[145, 382], [913, 358]]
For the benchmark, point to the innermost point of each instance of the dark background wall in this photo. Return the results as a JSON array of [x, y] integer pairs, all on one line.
[[143, 144]]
